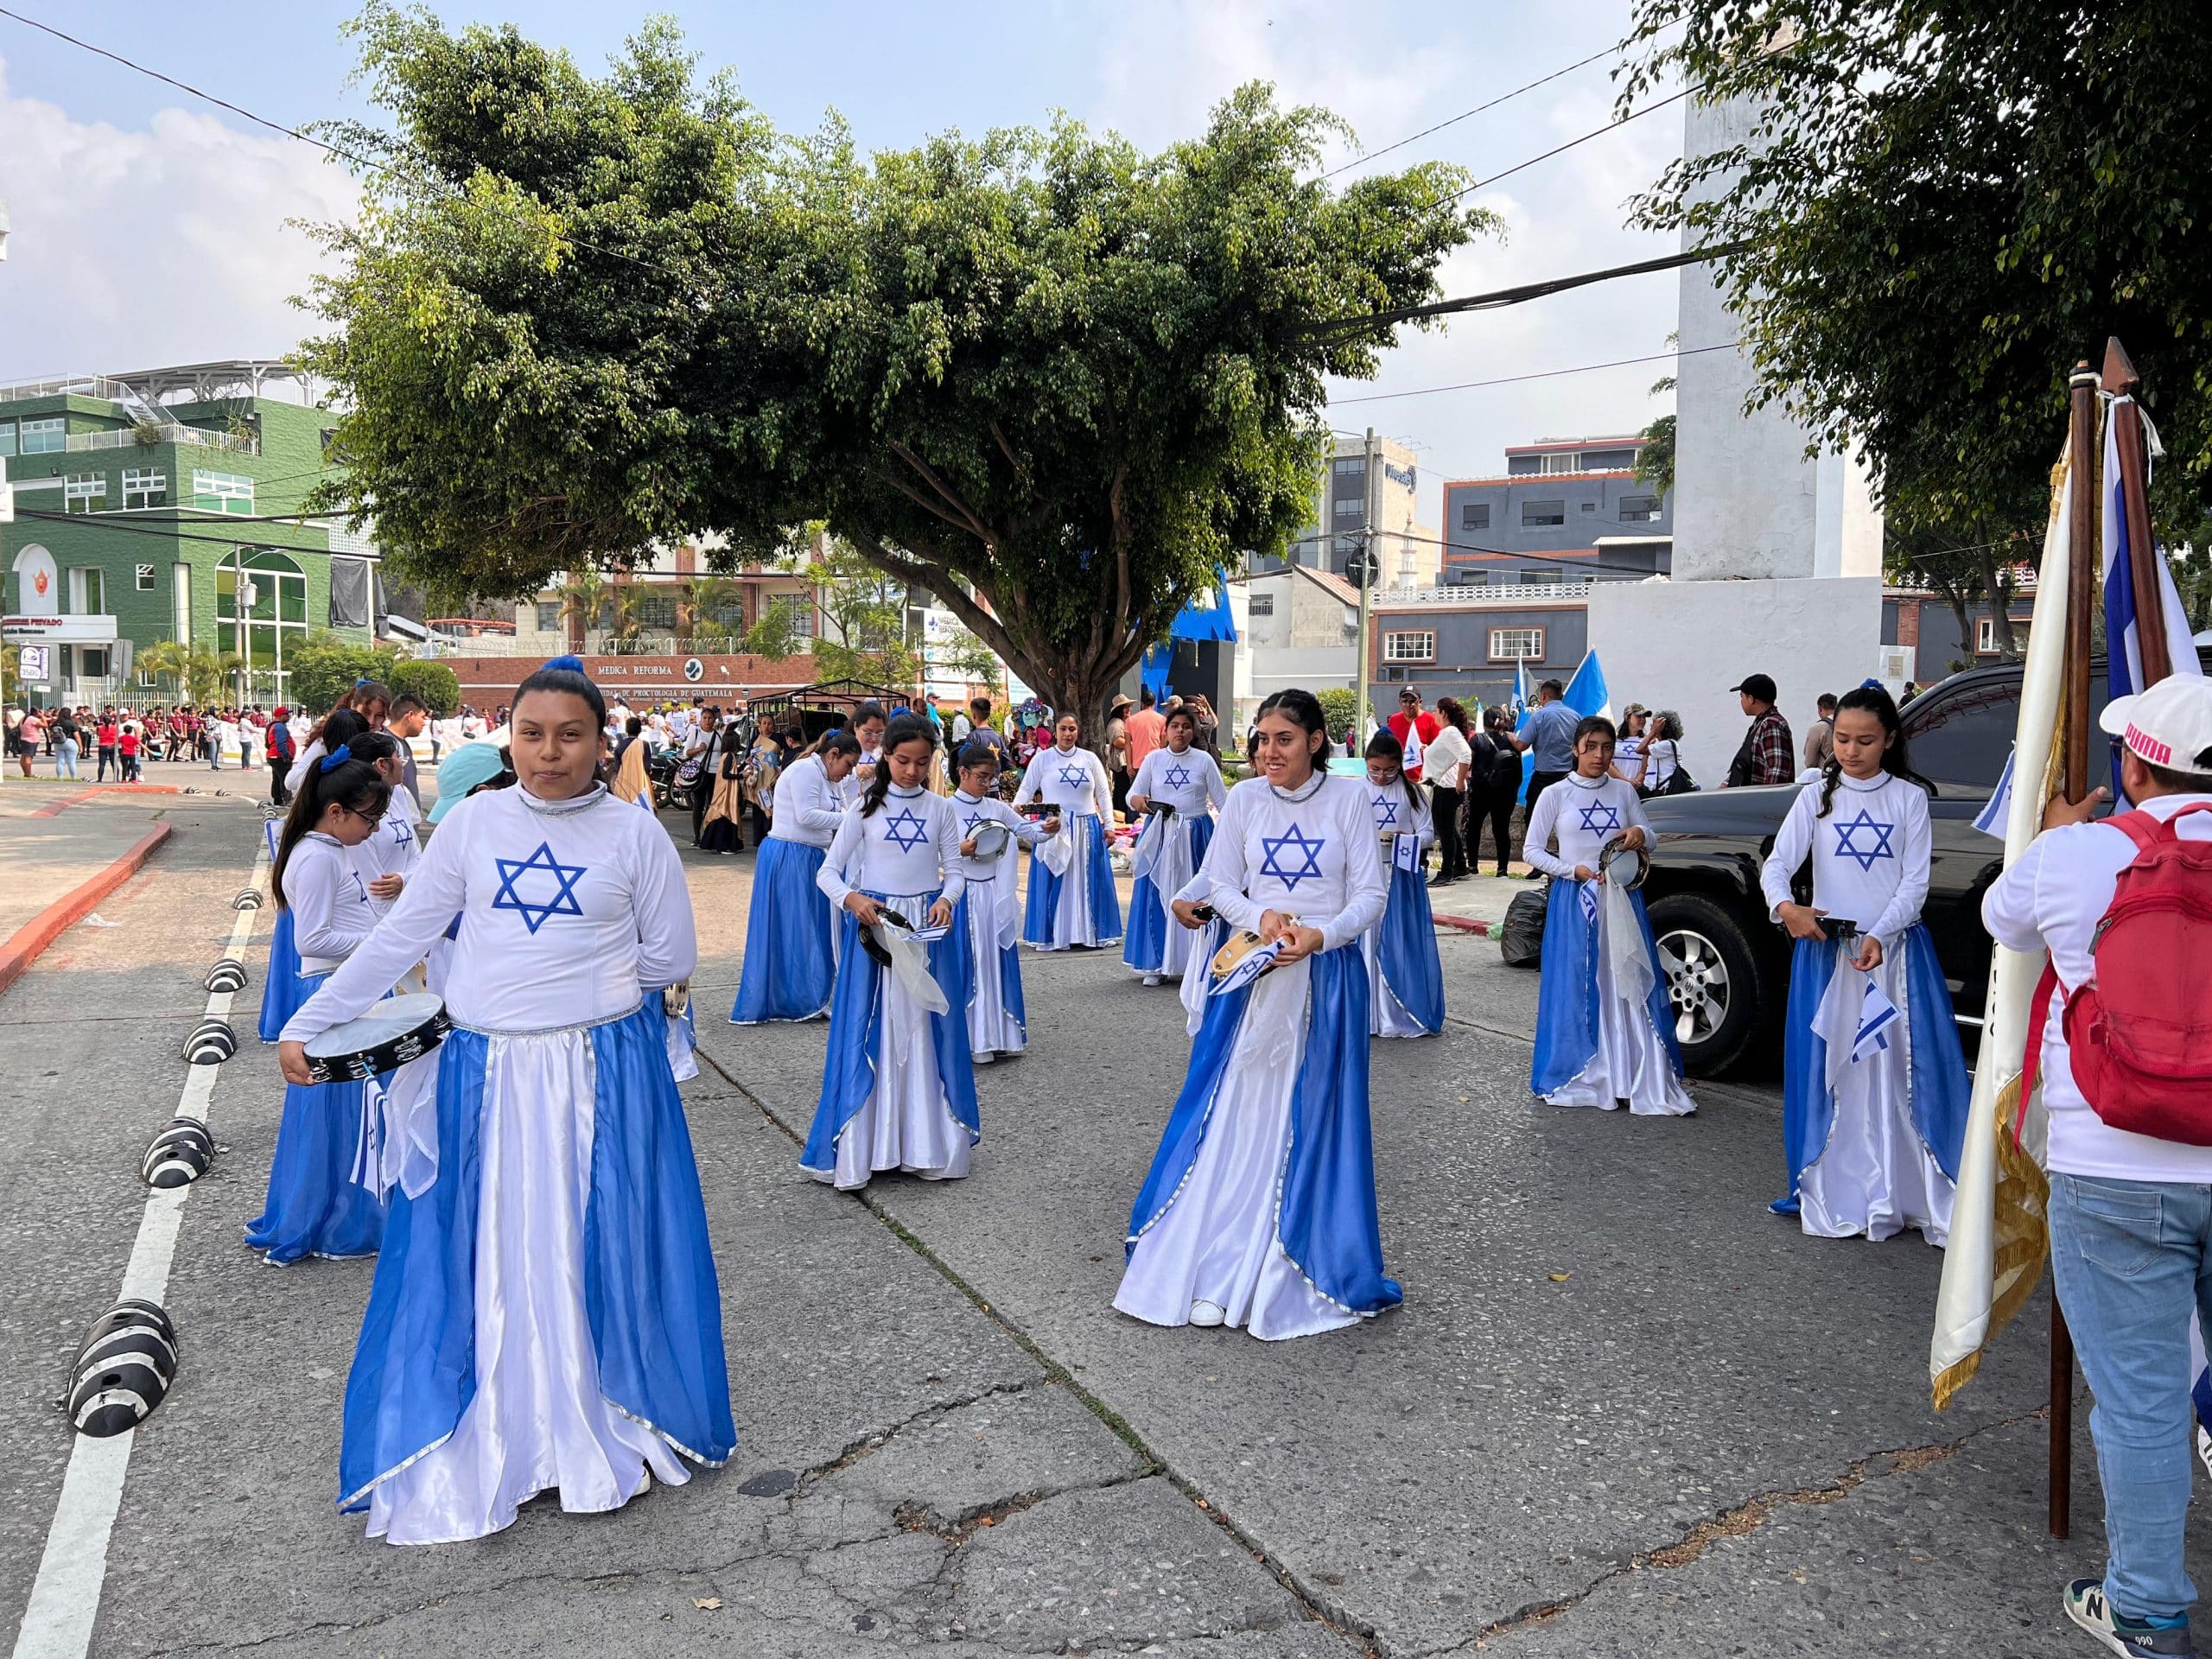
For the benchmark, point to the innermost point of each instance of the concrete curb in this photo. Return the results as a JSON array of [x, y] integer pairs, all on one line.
[[30, 941]]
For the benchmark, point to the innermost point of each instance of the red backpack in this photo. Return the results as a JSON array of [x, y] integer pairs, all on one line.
[[2140, 1032]]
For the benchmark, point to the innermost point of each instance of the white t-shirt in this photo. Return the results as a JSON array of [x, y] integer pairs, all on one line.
[[2052, 897]]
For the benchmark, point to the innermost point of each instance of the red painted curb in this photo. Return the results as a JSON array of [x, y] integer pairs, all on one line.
[[28, 941], [55, 809], [1481, 930]]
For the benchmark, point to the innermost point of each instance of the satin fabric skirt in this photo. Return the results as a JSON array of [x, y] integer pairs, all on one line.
[[1871, 1156], [1198, 972], [282, 992], [1405, 975], [790, 964], [1594, 1048], [998, 1014], [316, 1204], [1081, 907], [1156, 944], [546, 1315], [899, 1083], [1232, 1192]]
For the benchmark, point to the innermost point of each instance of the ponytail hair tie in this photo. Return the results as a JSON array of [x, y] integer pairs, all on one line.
[[337, 758]]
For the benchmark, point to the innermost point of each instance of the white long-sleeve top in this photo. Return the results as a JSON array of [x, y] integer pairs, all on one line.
[[332, 912], [1585, 813], [972, 812], [809, 807], [1189, 782], [1445, 761], [393, 848], [909, 844], [1073, 780], [571, 912], [1870, 853], [1395, 815], [1310, 853]]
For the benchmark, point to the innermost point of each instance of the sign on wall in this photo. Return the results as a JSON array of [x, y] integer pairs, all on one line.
[[38, 582]]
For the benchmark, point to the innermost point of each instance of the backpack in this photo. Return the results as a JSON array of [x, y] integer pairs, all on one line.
[[2140, 1032]]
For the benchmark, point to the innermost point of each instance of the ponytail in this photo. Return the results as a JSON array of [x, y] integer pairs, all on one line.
[[340, 776], [903, 728]]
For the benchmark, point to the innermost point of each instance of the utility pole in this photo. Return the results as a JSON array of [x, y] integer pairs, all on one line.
[[1366, 574]]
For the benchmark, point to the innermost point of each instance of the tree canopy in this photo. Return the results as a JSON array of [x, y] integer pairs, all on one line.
[[1944, 205], [1048, 378]]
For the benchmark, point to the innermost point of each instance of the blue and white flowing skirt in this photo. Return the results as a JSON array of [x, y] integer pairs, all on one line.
[[1881, 1153], [1198, 972], [317, 1203], [998, 1014], [1082, 906], [1594, 1048], [899, 1085], [1262, 1196], [1158, 944], [1405, 975], [790, 965], [545, 1313], [283, 991]]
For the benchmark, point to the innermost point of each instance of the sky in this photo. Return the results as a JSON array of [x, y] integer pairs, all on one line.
[[150, 227]]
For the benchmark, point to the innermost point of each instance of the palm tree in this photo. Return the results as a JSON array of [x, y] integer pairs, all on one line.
[[165, 660], [626, 605], [707, 602], [208, 669], [583, 596]]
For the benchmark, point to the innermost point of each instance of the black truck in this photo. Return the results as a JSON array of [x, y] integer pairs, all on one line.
[[1727, 966]]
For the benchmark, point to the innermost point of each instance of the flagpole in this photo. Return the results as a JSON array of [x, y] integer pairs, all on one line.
[[2120, 380]]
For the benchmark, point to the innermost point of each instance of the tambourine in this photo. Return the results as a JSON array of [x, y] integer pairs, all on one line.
[[397, 1030], [1241, 945], [1617, 849], [873, 945], [676, 998], [991, 837]]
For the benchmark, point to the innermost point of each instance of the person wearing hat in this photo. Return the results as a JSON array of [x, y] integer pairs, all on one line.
[[1117, 751], [2131, 1215], [1767, 755], [465, 770], [281, 756]]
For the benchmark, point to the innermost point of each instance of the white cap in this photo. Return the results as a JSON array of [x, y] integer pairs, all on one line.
[[2170, 725]]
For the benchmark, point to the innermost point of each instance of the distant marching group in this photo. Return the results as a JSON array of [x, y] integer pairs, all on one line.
[[545, 1314]]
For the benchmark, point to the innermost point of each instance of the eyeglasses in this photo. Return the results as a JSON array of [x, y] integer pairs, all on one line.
[[376, 817]]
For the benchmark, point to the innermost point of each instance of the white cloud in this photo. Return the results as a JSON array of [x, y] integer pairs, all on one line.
[[168, 244]]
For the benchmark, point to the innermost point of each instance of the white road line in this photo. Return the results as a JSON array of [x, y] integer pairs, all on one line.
[[65, 1596]]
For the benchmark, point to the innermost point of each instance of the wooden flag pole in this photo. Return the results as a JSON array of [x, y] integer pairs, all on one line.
[[2120, 379]]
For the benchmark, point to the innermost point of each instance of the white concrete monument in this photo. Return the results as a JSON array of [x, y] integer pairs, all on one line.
[[1777, 555]]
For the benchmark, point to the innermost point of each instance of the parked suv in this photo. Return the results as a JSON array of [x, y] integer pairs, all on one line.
[[1727, 966]]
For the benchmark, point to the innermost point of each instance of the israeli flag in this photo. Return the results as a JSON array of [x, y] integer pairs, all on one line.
[[1586, 693], [1251, 968], [1877, 1014], [272, 831], [2124, 667], [1520, 690], [1853, 1020], [1990, 819], [1405, 851]]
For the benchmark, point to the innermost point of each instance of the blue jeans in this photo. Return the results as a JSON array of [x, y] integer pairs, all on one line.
[[65, 759], [2132, 1261]]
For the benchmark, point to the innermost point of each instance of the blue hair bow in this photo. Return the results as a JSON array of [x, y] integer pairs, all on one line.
[[573, 664], [337, 758], [359, 683]]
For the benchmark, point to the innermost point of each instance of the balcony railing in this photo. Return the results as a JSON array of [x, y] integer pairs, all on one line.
[[131, 437], [69, 386], [1504, 595]]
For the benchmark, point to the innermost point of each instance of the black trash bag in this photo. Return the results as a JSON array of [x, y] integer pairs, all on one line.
[[1522, 936]]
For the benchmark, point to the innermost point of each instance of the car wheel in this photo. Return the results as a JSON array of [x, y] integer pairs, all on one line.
[[1713, 981]]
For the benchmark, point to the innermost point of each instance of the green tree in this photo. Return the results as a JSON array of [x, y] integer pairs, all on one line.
[[210, 675], [1942, 205], [322, 668], [583, 606], [775, 631], [1339, 707], [1051, 379], [437, 685], [165, 660], [1655, 461]]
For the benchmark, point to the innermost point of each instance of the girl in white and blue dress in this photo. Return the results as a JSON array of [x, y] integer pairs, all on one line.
[[319, 1202], [1259, 1210], [1184, 779], [1405, 974], [1874, 1082], [283, 989], [1604, 1027], [790, 960], [990, 914], [1075, 904], [898, 1083], [545, 1314]]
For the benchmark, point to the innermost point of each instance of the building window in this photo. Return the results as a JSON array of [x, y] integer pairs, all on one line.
[[657, 611], [144, 488], [85, 492], [1535, 514], [87, 590], [222, 493], [803, 619], [1470, 578], [1639, 509], [1352, 466], [7, 437], [145, 578], [1985, 635], [46, 438], [1349, 507], [549, 616], [1411, 647], [1567, 463], [274, 617], [1542, 576], [1260, 605], [1608, 460], [1517, 645], [1589, 507], [1474, 515]]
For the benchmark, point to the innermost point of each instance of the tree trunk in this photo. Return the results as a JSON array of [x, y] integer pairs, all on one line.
[[2000, 605]]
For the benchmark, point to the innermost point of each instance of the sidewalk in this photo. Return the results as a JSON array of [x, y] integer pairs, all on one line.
[[51, 843], [1475, 903]]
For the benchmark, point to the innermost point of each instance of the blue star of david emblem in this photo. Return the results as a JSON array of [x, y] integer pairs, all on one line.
[[1598, 817], [906, 829], [1387, 808], [1176, 777], [1074, 777], [402, 834], [535, 914], [974, 821], [1862, 856], [1294, 839]]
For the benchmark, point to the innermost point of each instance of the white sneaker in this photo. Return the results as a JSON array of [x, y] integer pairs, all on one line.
[[1152, 979], [984, 1059], [1209, 1313]]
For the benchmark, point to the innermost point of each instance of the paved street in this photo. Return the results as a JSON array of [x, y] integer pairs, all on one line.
[[1623, 1411]]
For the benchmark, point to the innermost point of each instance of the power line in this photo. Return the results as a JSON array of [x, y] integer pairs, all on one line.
[[1504, 296], [1541, 374], [103, 521], [342, 153], [1595, 132], [1503, 97]]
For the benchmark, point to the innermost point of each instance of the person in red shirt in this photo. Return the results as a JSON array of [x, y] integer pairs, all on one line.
[[1411, 717], [104, 736], [126, 743], [1146, 729]]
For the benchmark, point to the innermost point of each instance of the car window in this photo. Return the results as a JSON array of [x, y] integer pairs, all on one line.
[[1960, 736]]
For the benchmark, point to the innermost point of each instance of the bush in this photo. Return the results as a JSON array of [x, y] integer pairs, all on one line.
[[1338, 708], [433, 682], [322, 668]]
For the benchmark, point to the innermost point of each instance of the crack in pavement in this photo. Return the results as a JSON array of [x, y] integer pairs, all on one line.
[[1737, 1521]]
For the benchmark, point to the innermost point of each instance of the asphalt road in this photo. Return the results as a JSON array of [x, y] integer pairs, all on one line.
[[1623, 1410]]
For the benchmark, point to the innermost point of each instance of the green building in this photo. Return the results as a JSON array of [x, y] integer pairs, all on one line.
[[143, 503]]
